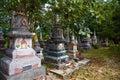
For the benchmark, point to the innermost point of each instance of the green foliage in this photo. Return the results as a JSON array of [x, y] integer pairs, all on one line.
[[1, 54], [96, 46], [115, 49], [102, 53], [99, 16]]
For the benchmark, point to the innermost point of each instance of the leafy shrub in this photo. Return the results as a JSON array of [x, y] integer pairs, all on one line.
[[1, 55], [115, 49], [96, 46]]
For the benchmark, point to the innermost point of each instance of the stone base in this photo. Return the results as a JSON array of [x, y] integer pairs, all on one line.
[[14, 66], [72, 55], [34, 74], [57, 62], [69, 68], [54, 65]]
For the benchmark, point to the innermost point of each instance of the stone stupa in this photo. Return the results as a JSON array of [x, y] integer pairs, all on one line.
[[56, 53], [20, 61]]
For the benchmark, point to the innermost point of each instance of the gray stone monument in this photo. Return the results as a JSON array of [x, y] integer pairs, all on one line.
[[37, 47], [42, 44], [1, 41], [56, 53], [20, 61], [86, 43]]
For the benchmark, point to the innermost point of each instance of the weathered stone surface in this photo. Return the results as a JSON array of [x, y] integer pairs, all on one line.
[[13, 66], [27, 75], [20, 53], [70, 68]]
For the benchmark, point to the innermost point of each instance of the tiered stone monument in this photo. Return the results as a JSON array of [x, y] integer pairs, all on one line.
[[42, 44], [72, 47], [56, 53], [37, 47], [85, 43], [1, 41], [20, 62]]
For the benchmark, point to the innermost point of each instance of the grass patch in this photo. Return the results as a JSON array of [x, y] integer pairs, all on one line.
[[116, 50], [104, 65], [101, 53], [1, 55]]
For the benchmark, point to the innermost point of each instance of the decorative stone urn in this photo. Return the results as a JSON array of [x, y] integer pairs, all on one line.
[[20, 62], [56, 53]]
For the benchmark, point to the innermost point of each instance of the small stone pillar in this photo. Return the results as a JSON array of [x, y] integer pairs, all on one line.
[[67, 39], [94, 39], [72, 47]]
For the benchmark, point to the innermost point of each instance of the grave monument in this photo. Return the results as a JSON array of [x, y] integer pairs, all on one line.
[[37, 47], [42, 44], [1, 41], [56, 53], [20, 61]]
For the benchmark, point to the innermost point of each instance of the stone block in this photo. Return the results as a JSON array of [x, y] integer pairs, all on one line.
[[13, 66], [34, 74]]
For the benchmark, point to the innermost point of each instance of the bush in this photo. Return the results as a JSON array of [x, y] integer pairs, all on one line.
[[96, 46], [115, 49], [1, 54], [80, 49]]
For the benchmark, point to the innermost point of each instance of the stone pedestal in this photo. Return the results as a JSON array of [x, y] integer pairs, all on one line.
[[33, 74], [20, 60]]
